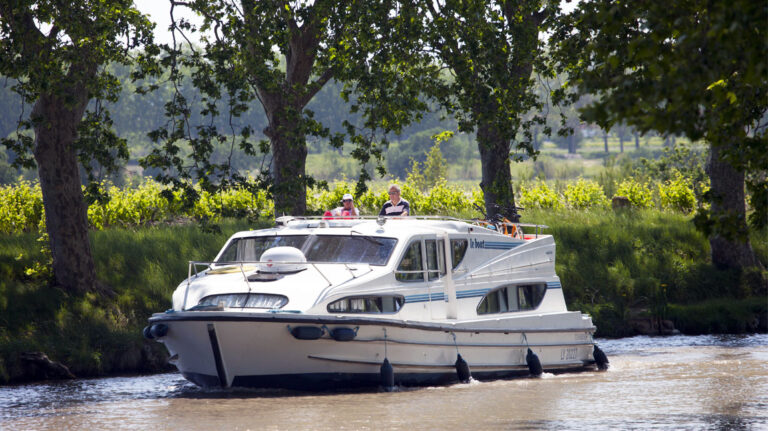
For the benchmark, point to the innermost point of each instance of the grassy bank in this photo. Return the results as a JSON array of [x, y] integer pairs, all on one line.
[[620, 266], [90, 334], [614, 266]]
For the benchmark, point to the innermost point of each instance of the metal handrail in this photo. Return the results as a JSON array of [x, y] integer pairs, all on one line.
[[347, 219]]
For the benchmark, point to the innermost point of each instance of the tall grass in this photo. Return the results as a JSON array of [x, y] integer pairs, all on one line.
[[611, 263], [91, 333]]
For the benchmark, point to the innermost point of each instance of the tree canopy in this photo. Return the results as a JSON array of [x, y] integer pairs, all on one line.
[[58, 54], [695, 68], [491, 49], [282, 54]]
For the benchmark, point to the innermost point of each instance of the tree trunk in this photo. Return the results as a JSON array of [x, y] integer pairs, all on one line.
[[728, 210], [289, 158], [284, 104], [621, 143], [605, 141], [496, 176], [637, 141], [571, 144], [66, 220]]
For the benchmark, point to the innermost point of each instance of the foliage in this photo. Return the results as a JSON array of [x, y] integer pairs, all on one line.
[[612, 262], [677, 194], [585, 194], [283, 55], [491, 49], [58, 55], [433, 170], [436, 167], [635, 59], [21, 207], [639, 194], [539, 196]]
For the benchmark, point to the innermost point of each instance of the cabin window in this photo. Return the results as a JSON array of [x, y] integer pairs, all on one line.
[[251, 249], [349, 249], [459, 249], [367, 304], [512, 298], [411, 267], [372, 250], [435, 258], [245, 300]]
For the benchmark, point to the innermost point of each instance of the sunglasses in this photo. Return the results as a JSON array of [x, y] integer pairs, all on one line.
[[347, 200], [394, 193]]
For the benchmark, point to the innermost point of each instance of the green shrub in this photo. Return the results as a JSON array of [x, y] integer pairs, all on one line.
[[21, 207], [539, 196], [639, 194], [677, 194], [585, 194]]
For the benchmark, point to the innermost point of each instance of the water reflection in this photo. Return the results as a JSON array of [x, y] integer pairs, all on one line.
[[706, 382]]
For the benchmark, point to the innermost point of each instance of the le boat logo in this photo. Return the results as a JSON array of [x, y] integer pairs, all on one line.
[[492, 245], [473, 243]]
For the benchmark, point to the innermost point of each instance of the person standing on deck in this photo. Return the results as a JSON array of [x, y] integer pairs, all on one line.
[[396, 206]]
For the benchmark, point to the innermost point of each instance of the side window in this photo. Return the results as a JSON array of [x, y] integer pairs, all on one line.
[[512, 298], [410, 268], [459, 249], [367, 304], [530, 296], [435, 258]]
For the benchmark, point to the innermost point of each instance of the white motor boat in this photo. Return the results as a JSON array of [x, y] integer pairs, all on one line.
[[326, 303]]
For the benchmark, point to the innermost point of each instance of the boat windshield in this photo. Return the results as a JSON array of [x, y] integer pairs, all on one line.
[[316, 248]]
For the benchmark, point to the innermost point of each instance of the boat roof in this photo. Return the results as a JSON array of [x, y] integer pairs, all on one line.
[[375, 226]]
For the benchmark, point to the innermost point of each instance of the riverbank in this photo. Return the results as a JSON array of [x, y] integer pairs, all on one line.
[[620, 268]]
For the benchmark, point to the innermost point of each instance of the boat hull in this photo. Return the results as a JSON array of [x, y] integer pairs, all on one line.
[[224, 349]]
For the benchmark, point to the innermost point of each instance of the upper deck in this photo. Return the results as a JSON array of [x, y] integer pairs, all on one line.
[[397, 227]]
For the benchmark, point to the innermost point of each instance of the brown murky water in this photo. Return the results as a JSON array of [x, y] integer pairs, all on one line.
[[704, 382]]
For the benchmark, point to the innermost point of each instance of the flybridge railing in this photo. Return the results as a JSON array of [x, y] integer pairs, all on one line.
[[382, 220]]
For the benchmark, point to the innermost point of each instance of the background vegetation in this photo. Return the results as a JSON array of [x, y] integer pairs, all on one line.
[[644, 262]]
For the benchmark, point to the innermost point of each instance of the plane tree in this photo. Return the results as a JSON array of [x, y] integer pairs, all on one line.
[[692, 68], [282, 53], [490, 50], [58, 55]]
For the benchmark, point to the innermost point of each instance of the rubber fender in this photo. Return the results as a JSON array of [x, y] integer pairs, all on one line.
[[387, 375], [147, 333], [343, 334], [307, 332], [534, 364], [462, 369], [601, 359], [159, 330]]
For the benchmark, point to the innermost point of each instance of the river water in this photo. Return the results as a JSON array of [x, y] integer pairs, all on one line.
[[680, 382]]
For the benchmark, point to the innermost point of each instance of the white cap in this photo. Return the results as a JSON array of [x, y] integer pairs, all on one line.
[[347, 196]]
